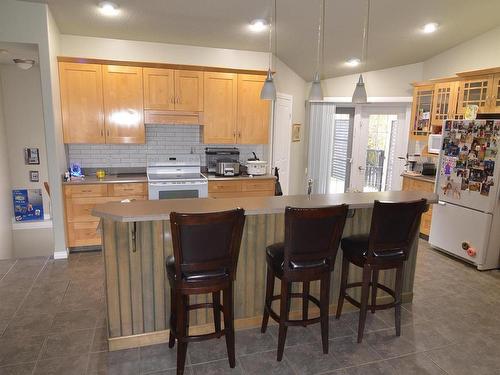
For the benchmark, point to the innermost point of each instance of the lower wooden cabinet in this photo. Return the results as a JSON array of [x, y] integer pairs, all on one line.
[[81, 226], [412, 184], [241, 188]]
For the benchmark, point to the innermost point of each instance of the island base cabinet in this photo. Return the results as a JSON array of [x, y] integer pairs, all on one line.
[[138, 293]]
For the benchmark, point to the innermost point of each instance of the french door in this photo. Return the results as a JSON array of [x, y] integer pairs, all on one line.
[[380, 136]]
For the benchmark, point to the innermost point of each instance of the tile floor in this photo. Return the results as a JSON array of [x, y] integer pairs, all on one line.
[[52, 322]]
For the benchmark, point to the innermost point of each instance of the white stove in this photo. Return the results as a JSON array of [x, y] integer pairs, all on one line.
[[179, 176]]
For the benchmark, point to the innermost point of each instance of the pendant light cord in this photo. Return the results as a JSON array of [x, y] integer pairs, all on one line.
[[273, 17], [364, 52], [321, 43]]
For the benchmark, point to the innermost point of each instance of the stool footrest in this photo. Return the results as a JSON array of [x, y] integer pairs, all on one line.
[[294, 322], [384, 306]]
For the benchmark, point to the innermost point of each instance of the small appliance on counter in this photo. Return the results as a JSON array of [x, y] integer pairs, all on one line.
[[224, 154], [227, 167], [256, 167], [428, 169]]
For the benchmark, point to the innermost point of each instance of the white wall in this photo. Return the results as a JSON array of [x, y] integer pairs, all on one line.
[[393, 82], [26, 22], [5, 192], [480, 52], [24, 125]]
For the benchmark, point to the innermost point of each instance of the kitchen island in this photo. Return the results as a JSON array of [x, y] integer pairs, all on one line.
[[136, 240]]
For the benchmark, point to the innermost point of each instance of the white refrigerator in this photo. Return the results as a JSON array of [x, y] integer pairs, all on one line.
[[466, 220]]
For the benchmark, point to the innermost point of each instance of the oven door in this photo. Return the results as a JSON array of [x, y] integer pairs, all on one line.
[[178, 190]]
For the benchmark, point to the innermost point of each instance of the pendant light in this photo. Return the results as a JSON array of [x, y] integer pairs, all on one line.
[[316, 92], [359, 96], [268, 91]]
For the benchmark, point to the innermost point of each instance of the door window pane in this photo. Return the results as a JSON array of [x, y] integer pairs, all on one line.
[[341, 150]]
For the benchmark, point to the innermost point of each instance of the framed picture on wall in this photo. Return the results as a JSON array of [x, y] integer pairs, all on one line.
[[34, 176], [296, 132]]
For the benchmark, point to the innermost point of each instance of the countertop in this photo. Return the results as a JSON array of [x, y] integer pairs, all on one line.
[[212, 177], [109, 179], [160, 209], [420, 177]]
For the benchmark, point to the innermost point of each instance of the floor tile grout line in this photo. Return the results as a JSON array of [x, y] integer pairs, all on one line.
[[425, 353], [10, 268]]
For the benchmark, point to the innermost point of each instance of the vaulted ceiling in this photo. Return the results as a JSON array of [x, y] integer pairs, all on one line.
[[395, 36]]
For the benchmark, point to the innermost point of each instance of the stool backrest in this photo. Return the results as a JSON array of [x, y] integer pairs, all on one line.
[[313, 235], [394, 227], [207, 242]]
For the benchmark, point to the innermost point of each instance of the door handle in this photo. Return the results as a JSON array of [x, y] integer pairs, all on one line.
[[361, 168], [441, 203]]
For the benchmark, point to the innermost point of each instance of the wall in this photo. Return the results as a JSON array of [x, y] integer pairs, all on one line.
[[392, 82], [5, 192], [161, 140], [480, 52], [26, 22], [23, 114]]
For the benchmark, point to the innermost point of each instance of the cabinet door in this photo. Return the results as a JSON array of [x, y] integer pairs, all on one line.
[[220, 105], [474, 92], [253, 112], [421, 110], [123, 104], [188, 90], [81, 103], [444, 104], [495, 95], [159, 89]]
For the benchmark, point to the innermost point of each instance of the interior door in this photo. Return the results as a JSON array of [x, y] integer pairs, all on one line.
[[380, 136], [282, 136], [123, 104]]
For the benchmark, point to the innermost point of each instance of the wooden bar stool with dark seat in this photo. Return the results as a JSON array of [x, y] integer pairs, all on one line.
[[312, 237], [394, 227], [206, 249]]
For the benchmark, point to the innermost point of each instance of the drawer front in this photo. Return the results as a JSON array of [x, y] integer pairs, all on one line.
[[127, 190], [243, 194], [261, 185], [80, 209], [83, 234], [224, 186], [90, 190]]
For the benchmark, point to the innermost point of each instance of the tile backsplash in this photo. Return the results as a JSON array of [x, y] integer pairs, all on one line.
[[161, 140]]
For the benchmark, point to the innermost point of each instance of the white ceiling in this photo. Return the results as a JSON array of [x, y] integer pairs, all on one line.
[[395, 37], [10, 51]]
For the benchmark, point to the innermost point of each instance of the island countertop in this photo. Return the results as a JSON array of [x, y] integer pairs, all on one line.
[[153, 210]]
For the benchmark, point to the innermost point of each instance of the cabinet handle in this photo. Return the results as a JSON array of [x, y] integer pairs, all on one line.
[[178, 100], [107, 133], [102, 133], [172, 100]]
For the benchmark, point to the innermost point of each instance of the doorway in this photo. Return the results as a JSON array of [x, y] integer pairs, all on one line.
[[380, 136], [282, 136]]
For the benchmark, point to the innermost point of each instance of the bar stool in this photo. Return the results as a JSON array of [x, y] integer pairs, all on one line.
[[206, 249], [312, 237], [394, 227]]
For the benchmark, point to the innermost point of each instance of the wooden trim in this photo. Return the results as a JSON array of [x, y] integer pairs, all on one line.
[[83, 60], [154, 117], [480, 72], [161, 337]]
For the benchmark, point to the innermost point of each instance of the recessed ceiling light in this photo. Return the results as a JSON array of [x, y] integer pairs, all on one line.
[[108, 8], [430, 27], [258, 25], [353, 62]]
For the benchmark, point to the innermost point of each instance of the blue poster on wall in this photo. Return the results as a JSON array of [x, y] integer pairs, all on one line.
[[28, 204]]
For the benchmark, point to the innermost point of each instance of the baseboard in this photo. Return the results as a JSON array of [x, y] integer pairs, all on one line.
[[63, 254]]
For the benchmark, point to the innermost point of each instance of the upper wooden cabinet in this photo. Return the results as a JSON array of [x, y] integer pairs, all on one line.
[[495, 90], [444, 104], [220, 107], [421, 110], [123, 104], [169, 90], [159, 89], [475, 91], [253, 112], [82, 103]]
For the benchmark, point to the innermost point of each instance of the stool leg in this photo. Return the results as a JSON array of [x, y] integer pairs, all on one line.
[[324, 303], [171, 337], [216, 310], [269, 296], [398, 292], [181, 315], [365, 293], [343, 286], [305, 301], [227, 307], [284, 307], [374, 290]]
